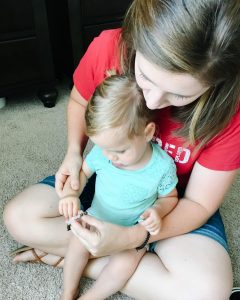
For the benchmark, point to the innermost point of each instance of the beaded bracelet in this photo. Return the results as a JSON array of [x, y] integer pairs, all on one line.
[[77, 217], [144, 242]]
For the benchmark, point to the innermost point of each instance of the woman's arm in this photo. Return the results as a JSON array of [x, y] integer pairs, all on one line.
[[76, 122], [204, 194], [76, 143], [165, 204]]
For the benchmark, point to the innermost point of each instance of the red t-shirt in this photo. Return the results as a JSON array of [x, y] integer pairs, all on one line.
[[222, 153]]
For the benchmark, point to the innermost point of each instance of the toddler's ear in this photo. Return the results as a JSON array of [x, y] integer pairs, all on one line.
[[149, 131]]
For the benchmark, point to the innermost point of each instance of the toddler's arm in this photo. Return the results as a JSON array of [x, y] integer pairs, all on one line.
[[69, 204], [152, 217]]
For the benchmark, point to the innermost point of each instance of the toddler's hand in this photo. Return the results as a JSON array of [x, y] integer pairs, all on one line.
[[151, 221], [69, 206]]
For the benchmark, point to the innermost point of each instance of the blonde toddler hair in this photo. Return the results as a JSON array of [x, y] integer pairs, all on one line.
[[117, 102]]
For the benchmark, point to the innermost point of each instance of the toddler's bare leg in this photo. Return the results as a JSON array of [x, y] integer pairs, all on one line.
[[115, 274], [75, 261]]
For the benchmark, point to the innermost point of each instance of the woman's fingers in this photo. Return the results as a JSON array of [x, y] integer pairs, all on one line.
[[79, 230], [71, 166], [85, 236], [88, 231], [60, 180], [101, 238], [74, 179], [92, 221]]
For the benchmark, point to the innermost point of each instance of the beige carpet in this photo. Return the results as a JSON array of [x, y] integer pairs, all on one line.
[[32, 145]]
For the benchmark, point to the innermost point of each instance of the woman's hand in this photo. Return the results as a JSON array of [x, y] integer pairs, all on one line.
[[102, 238], [71, 166]]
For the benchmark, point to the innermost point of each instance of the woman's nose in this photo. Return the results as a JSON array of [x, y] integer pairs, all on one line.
[[155, 96]]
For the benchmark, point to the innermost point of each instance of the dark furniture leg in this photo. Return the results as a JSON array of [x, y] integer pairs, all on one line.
[[48, 97]]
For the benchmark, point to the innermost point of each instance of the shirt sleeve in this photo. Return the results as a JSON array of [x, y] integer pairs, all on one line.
[[100, 56], [168, 181], [92, 158], [223, 152]]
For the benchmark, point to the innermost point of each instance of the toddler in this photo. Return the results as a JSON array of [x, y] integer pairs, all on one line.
[[136, 182]]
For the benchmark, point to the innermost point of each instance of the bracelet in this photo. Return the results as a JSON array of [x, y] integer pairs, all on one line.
[[77, 217], [144, 242]]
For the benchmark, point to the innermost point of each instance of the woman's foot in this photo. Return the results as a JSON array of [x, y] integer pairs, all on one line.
[[38, 256]]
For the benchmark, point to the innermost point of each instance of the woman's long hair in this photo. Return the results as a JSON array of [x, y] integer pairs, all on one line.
[[201, 38]]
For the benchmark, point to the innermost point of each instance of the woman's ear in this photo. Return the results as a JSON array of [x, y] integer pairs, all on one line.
[[149, 131]]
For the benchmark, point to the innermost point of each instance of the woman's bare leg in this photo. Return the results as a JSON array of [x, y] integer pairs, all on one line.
[[190, 267], [187, 267], [32, 218]]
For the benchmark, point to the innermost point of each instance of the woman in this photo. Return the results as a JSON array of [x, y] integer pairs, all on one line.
[[186, 58]]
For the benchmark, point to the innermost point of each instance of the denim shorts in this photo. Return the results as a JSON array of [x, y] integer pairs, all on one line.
[[213, 229]]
